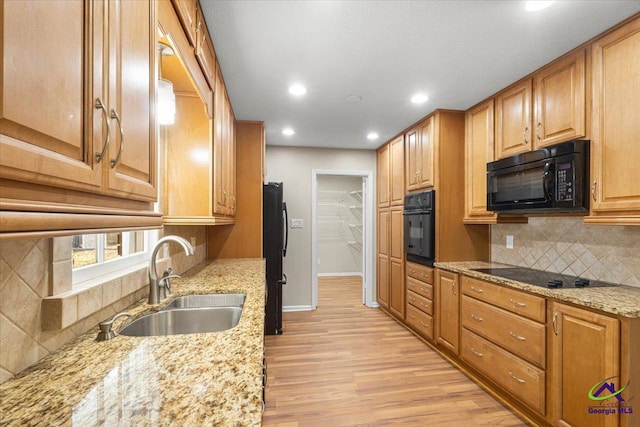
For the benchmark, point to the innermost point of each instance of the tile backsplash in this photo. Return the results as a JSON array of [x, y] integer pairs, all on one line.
[[568, 246]]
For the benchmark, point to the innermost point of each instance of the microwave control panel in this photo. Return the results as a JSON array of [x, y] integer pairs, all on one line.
[[564, 181]]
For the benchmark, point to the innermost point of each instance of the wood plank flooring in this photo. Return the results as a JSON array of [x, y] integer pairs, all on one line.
[[348, 365]]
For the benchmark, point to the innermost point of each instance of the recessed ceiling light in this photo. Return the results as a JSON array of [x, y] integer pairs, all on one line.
[[535, 5], [297, 90], [288, 131], [372, 136], [419, 98], [354, 98]]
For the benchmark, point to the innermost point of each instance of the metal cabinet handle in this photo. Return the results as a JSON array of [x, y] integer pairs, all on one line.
[[538, 131], [518, 337], [555, 325], [115, 115], [524, 135], [233, 199], [424, 324], [593, 190], [477, 353], [412, 316], [520, 380], [100, 106], [516, 303], [478, 290], [474, 317]]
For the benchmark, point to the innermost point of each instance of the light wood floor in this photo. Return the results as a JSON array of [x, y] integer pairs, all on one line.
[[348, 365]]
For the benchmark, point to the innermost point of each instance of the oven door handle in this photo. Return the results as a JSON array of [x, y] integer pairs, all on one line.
[[547, 181], [420, 212]]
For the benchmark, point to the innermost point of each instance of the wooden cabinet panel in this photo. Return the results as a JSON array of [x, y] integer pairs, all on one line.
[[411, 159], [448, 310], [396, 159], [396, 285], [531, 306], [560, 98], [204, 51], [520, 336], [426, 138], [585, 352], [616, 126], [513, 120], [384, 250], [384, 230], [420, 322], [186, 10], [383, 188], [397, 241], [523, 380], [478, 152], [420, 272], [382, 286], [419, 287]]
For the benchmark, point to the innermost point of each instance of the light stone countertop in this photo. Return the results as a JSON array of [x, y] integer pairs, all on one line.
[[195, 379], [619, 300]]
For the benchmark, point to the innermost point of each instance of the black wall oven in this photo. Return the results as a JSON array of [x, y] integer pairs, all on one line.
[[419, 227]]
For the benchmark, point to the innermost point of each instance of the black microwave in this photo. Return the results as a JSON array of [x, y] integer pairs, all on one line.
[[552, 179]]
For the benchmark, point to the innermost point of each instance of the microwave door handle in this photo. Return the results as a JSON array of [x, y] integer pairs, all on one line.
[[547, 180]]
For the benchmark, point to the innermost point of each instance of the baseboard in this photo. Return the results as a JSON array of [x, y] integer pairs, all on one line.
[[289, 308], [374, 304], [355, 273]]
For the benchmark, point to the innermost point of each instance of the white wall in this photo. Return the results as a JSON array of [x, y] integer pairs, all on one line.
[[293, 166], [339, 224]]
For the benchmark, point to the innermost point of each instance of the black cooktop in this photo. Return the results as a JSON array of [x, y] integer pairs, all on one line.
[[545, 279]]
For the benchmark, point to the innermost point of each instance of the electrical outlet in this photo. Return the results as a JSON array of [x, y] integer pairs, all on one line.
[[297, 223], [509, 242], [193, 241]]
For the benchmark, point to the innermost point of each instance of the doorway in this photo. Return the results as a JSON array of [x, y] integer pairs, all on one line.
[[342, 229]]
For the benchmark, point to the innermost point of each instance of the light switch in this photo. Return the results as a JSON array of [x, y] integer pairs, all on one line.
[[296, 223]]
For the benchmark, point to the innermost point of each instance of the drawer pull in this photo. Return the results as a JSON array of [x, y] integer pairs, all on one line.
[[424, 305], [424, 290], [517, 304], [474, 317], [424, 324], [412, 316], [478, 290], [518, 337], [412, 299], [520, 380], [477, 353]]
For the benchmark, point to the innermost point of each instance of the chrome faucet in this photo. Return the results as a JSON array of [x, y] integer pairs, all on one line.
[[154, 283]]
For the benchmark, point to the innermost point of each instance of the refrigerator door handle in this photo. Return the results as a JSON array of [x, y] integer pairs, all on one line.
[[283, 281], [286, 230]]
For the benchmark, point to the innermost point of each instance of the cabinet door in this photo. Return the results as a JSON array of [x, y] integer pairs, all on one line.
[[382, 287], [585, 352], [448, 310], [513, 120], [132, 160], [49, 127], [231, 163], [384, 230], [384, 193], [186, 10], [426, 138], [560, 92], [478, 152], [396, 289], [204, 49], [396, 234], [615, 151], [411, 159], [220, 118], [396, 159]]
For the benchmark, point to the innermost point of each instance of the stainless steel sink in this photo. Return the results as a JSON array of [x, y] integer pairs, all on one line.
[[213, 300], [184, 321]]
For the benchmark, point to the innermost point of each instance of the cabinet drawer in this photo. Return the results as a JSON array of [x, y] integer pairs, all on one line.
[[420, 288], [520, 378], [521, 336], [511, 300], [420, 272], [420, 302], [420, 322]]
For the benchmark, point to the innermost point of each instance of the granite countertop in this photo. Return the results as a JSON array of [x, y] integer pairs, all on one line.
[[195, 379], [620, 300]]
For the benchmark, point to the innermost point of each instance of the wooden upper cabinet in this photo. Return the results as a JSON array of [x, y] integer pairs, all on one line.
[[426, 142], [186, 10], [79, 115], [615, 149], [478, 152], [383, 184], [411, 159], [396, 167], [513, 120], [204, 49], [560, 99]]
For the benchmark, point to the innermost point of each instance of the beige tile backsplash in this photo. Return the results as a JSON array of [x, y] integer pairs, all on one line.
[[34, 269], [567, 245]]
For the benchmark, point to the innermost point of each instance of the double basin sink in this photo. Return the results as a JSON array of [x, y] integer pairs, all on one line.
[[190, 314]]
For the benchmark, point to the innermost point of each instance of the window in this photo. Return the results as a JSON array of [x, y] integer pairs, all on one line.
[[98, 254]]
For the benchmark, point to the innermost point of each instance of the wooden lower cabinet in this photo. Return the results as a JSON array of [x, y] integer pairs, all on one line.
[[419, 298], [585, 351], [447, 285], [396, 289]]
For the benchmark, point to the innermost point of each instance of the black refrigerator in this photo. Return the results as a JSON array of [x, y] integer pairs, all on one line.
[[275, 235]]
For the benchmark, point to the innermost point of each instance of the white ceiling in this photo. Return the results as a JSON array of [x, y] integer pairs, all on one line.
[[457, 52]]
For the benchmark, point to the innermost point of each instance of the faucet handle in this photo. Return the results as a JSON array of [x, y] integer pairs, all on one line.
[[164, 286]]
